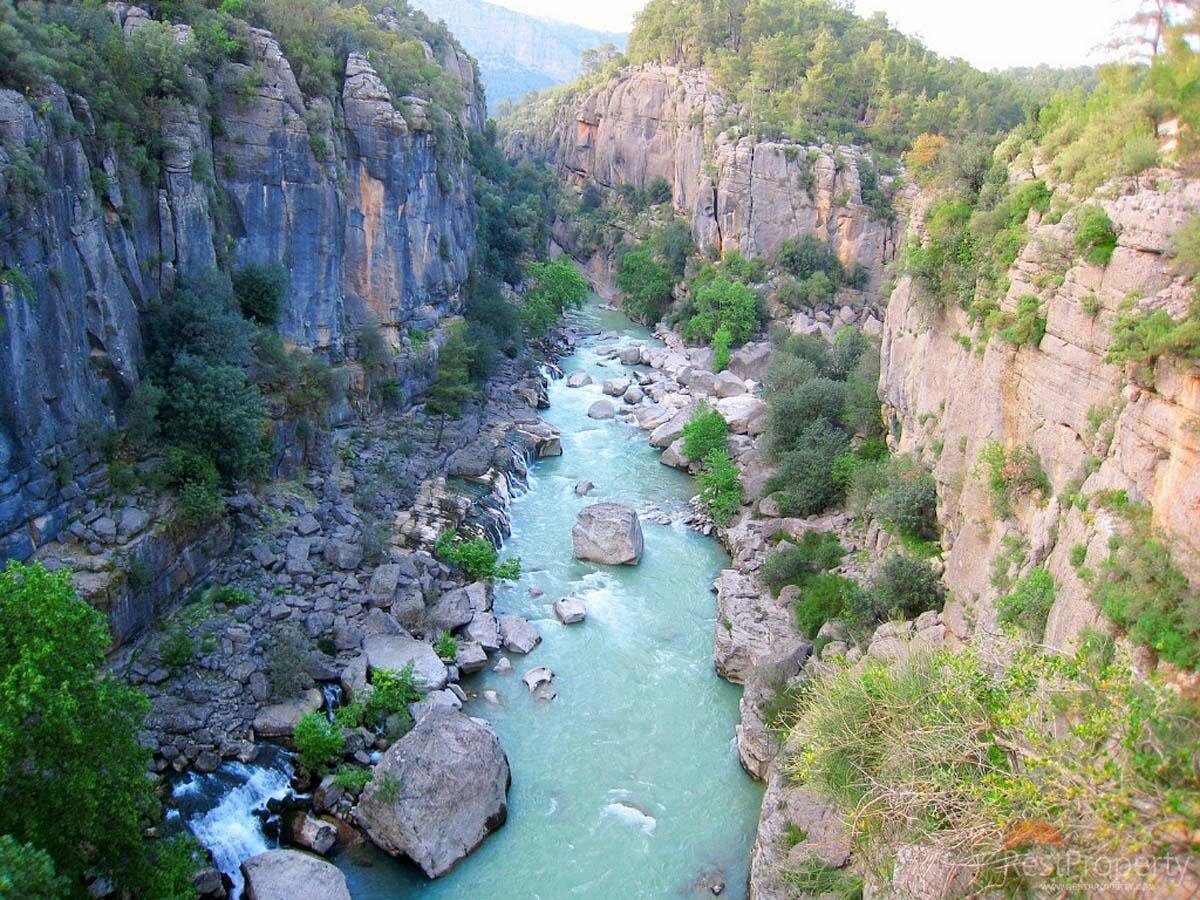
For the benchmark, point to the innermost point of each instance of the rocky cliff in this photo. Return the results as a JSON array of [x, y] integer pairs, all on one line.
[[1092, 427], [366, 206], [740, 193]]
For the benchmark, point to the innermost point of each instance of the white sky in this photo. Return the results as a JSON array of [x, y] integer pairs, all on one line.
[[988, 34]]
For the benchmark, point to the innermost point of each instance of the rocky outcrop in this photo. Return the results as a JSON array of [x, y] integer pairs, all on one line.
[[369, 215], [437, 792], [608, 533], [1090, 425], [740, 194], [292, 875]]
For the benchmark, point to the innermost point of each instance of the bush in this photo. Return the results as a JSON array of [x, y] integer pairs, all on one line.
[[720, 349], [231, 595], [720, 486], [318, 741], [794, 412], [353, 778], [476, 557], [287, 656], [1139, 154], [28, 873], [906, 503], [704, 432], [446, 646], [200, 504], [177, 649], [809, 256], [1144, 338], [1010, 473], [1028, 325], [796, 564], [723, 303], [554, 288], [1095, 236], [259, 290], [387, 704], [803, 473], [646, 286], [1028, 605], [900, 585], [822, 598]]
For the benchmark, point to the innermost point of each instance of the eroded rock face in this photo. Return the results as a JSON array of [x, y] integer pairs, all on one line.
[[292, 875], [608, 533], [437, 792]]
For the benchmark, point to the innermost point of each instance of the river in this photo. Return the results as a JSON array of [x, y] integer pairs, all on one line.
[[627, 785]]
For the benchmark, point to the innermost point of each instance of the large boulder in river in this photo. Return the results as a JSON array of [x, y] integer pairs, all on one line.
[[292, 875], [437, 792], [279, 720], [601, 409], [608, 533], [395, 651]]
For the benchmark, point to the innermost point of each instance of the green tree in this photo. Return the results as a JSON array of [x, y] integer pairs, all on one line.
[[73, 778], [259, 290], [27, 873], [453, 386], [722, 302], [705, 431], [647, 286]]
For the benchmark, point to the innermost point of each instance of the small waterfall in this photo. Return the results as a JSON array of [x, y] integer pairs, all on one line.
[[333, 694], [227, 809]]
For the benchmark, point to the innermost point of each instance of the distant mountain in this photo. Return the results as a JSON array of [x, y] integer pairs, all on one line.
[[516, 53]]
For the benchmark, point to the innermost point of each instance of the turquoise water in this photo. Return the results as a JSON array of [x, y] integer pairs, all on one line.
[[627, 785]]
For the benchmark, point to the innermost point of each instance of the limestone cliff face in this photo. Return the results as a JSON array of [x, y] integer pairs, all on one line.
[[945, 401], [355, 198], [661, 122]]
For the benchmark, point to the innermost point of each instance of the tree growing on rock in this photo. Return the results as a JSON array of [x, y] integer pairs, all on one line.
[[554, 287], [453, 386]]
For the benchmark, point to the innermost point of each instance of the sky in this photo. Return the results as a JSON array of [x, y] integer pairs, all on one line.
[[987, 34]]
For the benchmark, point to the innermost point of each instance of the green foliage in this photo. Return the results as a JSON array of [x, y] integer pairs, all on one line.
[[476, 557], [230, 595], [177, 649], [1095, 237], [720, 486], [1028, 326], [793, 412], [554, 288], [806, 70], [1028, 605], [1010, 474], [453, 386], [1144, 338], [899, 585], [287, 654], [446, 646], [720, 348], [822, 598], [807, 257], [318, 741], [387, 703], [704, 432], [802, 474], [27, 872], [493, 324], [73, 778], [796, 564], [815, 878], [175, 861], [646, 286], [259, 290], [906, 502], [353, 778], [722, 303], [938, 751]]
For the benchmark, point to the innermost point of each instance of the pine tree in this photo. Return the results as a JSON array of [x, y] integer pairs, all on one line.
[[453, 386]]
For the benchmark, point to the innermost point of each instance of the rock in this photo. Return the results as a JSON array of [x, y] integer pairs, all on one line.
[[384, 580], [297, 549], [630, 356], [105, 529], [344, 555], [471, 657], [292, 875], [672, 430], [608, 533], [744, 414], [634, 395], [569, 610], [133, 521], [535, 678], [673, 457], [578, 379], [601, 409], [208, 761], [307, 525], [484, 630], [208, 883], [315, 834], [583, 488], [503, 666], [615, 387], [353, 679], [395, 651], [454, 777], [279, 720], [729, 385], [517, 635], [452, 610]]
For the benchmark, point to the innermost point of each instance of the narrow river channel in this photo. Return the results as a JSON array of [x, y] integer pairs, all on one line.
[[627, 785]]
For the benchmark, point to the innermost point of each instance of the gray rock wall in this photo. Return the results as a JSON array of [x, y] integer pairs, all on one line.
[[371, 218]]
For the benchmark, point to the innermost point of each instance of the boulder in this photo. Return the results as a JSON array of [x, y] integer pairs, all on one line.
[[569, 610], [673, 456], [395, 651], [744, 414], [484, 630], [583, 488], [616, 387], [133, 521], [315, 834], [535, 678], [343, 554], [729, 385], [578, 379], [634, 395], [608, 533], [384, 581], [453, 610], [279, 720], [630, 356], [292, 875], [454, 781], [517, 635], [471, 657], [601, 409], [672, 430]]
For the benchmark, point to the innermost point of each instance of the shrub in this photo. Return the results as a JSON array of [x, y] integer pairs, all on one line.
[[646, 286], [1144, 338], [177, 649], [318, 741], [1028, 605], [554, 288], [259, 290], [476, 557], [1028, 325], [200, 504], [720, 486], [720, 349], [809, 256], [231, 595], [1010, 473], [899, 585], [353, 778], [27, 872], [1095, 236], [722, 302], [287, 655], [704, 432], [794, 412], [803, 473], [446, 646], [796, 564], [1139, 154], [822, 598], [387, 704], [906, 502]]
